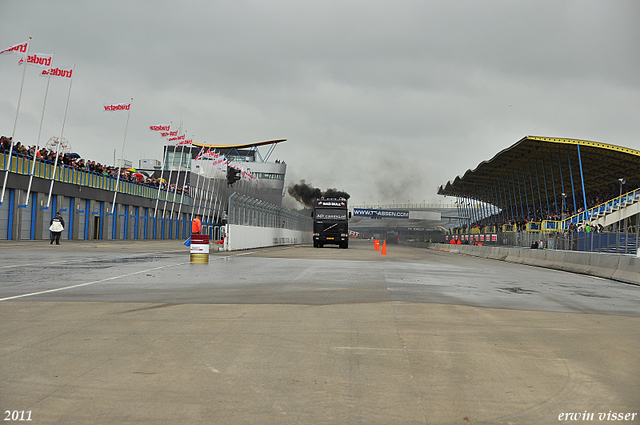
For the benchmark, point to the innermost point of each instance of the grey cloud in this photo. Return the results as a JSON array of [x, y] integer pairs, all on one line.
[[435, 87]]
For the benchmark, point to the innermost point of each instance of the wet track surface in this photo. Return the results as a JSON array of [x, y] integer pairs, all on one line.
[[304, 275], [131, 332]]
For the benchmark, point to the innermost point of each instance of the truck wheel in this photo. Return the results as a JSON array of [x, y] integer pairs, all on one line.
[[344, 245]]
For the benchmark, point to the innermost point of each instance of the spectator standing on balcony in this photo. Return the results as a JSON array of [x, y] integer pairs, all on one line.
[[56, 225]]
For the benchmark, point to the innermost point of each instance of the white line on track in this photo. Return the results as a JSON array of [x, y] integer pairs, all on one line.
[[111, 278], [89, 283]]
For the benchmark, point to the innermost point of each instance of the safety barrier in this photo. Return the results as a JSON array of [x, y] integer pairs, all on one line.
[[551, 226], [619, 267], [533, 227], [509, 228]]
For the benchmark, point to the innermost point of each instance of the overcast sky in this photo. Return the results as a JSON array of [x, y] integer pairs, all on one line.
[[386, 100]]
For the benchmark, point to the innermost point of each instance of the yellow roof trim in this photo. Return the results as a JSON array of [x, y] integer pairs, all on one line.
[[240, 146], [585, 143]]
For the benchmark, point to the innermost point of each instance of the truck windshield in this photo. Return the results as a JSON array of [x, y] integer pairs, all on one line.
[[330, 214]]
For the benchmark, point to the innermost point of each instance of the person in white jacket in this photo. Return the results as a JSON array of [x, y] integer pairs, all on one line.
[[56, 225]]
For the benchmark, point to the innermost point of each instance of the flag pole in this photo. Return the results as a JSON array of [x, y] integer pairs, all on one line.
[[164, 156], [184, 182], [64, 120], [115, 192], [34, 159], [7, 165], [195, 197], [175, 188], [24, 71], [164, 208]]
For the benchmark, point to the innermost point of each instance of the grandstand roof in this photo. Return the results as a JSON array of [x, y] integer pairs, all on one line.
[[241, 146], [533, 159]]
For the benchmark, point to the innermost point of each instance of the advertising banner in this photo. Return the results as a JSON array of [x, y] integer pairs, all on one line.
[[365, 212]]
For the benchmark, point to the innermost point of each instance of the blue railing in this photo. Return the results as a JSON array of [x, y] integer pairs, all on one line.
[[604, 208]]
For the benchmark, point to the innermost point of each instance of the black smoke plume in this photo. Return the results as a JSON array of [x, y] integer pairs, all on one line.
[[307, 194]]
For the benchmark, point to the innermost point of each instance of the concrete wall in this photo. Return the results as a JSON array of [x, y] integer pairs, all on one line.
[[624, 268], [248, 237]]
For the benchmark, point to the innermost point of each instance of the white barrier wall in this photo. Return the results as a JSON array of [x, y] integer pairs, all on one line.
[[247, 237], [625, 268]]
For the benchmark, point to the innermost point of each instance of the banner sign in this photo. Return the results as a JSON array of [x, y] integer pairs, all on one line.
[[19, 49], [41, 60], [160, 127], [117, 106], [365, 212], [57, 72]]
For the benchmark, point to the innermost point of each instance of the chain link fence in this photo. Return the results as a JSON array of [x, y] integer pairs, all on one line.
[[247, 211], [610, 242]]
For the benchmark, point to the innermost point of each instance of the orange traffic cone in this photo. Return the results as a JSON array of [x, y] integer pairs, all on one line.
[[376, 244], [384, 248]]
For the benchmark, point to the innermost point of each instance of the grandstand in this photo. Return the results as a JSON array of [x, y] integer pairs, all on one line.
[[551, 185], [156, 203]]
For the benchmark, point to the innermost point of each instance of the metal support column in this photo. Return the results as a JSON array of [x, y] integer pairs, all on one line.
[[515, 197], [573, 192], [542, 215], [553, 183], [584, 194], [546, 192], [506, 191], [526, 197], [564, 192], [533, 197]]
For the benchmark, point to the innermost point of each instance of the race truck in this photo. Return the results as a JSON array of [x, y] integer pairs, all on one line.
[[331, 222]]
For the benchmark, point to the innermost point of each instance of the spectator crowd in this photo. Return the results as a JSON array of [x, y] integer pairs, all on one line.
[[537, 215], [74, 161]]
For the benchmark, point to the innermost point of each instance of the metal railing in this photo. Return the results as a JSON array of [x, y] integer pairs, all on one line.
[[605, 208], [44, 170], [247, 211]]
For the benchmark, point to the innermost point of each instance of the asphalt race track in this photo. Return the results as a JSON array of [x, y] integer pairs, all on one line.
[[120, 332]]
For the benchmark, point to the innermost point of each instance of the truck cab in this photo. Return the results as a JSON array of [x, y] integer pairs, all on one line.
[[331, 222]]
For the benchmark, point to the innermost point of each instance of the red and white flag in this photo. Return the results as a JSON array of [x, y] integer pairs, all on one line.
[[177, 138], [220, 162], [160, 127], [184, 142], [200, 153], [210, 154], [117, 106], [205, 155], [18, 49], [65, 73], [41, 60]]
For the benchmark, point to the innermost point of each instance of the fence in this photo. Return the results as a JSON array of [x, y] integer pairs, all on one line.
[[253, 223], [610, 242]]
